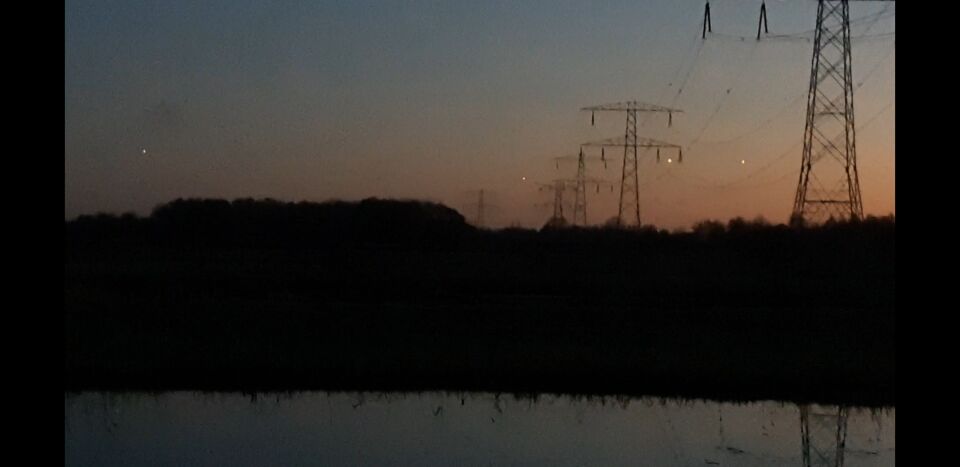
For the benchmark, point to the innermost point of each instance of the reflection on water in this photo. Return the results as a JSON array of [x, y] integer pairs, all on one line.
[[185, 428]]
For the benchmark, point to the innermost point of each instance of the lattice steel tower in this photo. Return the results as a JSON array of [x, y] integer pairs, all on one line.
[[629, 185], [480, 209], [580, 198], [557, 186], [580, 184], [829, 140], [629, 192], [558, 200]]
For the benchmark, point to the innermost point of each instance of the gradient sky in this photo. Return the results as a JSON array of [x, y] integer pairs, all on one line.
[[435, 100]]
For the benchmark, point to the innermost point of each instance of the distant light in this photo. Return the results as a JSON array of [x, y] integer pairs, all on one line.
[[743, 161], [143, 151], [669, 161], [523, 179]]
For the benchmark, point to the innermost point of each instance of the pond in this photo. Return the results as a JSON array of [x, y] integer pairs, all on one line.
[[442, 429]]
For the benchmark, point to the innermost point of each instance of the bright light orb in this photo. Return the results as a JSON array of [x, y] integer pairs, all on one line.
[[143, 151], [743, 161], [523, 179], [669, 161]]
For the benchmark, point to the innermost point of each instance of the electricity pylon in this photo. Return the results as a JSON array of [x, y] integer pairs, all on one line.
[[829, 136], [581, 181], [558, 186], [480, 209], [823, 435], [481, 202], [629, 186]]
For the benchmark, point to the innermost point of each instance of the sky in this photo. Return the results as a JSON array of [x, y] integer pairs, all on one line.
[[436, 100]]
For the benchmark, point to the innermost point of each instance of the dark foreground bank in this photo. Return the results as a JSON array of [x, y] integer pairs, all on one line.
[[405, 296]]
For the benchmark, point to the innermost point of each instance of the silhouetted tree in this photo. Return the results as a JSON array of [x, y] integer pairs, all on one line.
[[708, 229], [555, 223]]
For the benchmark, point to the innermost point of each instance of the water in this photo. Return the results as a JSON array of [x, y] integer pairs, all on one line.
[[186, 428]]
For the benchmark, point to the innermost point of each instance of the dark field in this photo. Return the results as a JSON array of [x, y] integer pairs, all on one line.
[[404, 296]]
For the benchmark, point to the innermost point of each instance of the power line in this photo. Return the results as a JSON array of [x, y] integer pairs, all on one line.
[[807, 35], [697, 48], [631, 142], [723, 98], [783, 110], [736, 183]]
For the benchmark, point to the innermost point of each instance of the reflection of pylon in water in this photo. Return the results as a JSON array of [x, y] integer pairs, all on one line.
[[823, 433]]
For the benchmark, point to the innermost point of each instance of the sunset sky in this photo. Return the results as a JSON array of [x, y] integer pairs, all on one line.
[[436, 100]]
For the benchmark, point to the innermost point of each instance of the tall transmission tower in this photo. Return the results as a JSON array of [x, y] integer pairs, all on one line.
[[629, 185], [558, 186], [480, 202], [580, 182], [480, 209], [823, 436], [580, 194], [829, 136]]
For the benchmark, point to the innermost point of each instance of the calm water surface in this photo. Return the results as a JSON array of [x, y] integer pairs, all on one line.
[[316, 428]]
